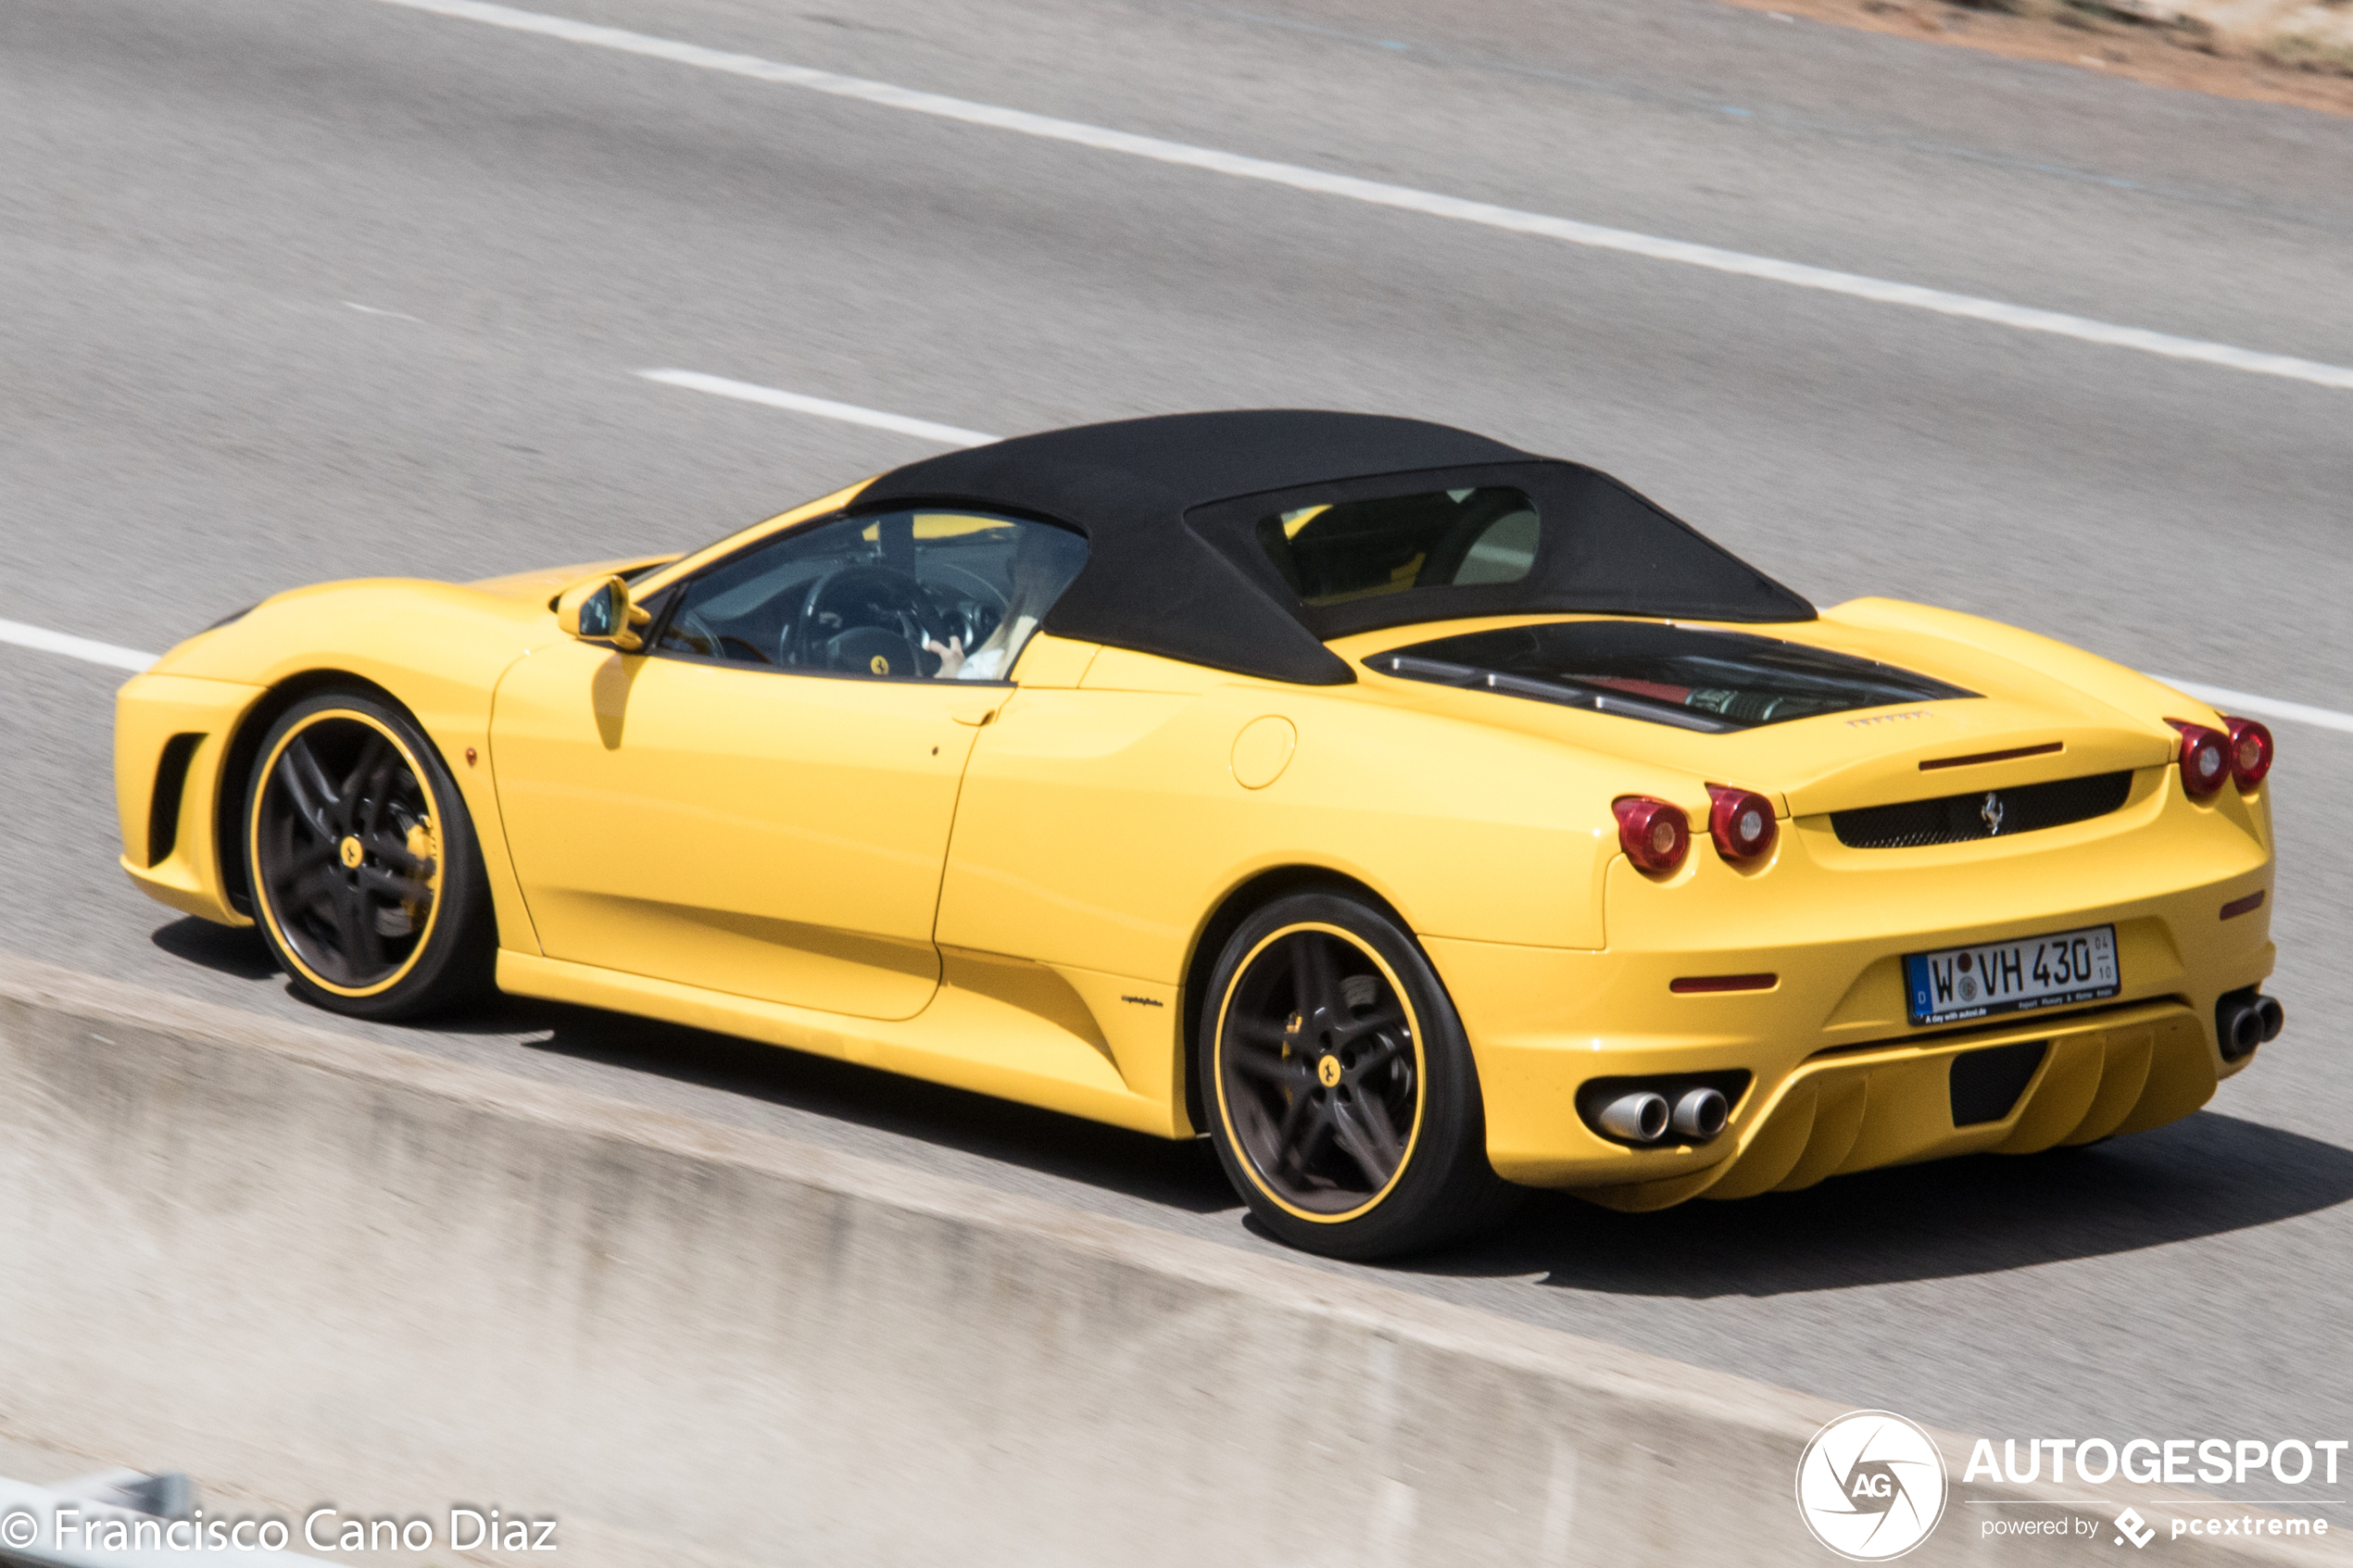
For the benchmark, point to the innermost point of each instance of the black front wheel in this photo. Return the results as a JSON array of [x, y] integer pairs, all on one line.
[[366, 878], [1343, 1099]]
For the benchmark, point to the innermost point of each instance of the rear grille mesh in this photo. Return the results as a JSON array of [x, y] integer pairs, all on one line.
[[1960, 819]]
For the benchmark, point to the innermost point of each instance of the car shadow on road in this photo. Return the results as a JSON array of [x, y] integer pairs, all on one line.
[[2204, 1176], [1181, 1175], [231, 950]]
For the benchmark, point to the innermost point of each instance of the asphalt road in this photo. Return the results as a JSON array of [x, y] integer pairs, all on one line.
[[301, 289]]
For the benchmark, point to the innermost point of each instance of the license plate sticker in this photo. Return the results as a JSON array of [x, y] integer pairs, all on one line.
[[2022, 977]]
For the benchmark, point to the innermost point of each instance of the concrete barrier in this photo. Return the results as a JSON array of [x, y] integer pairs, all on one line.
[[323, 1270]]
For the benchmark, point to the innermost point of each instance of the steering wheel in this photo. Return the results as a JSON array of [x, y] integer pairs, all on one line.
[[980, 605], [721, 645], [881, 619]]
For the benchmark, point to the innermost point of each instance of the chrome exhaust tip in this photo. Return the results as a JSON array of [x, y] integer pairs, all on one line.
[[1700, 1114], [2273, 1017], [1640, 1117], [2238, 1026]]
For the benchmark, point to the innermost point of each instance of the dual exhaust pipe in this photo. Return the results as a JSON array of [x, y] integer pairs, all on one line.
[[1646, 1115], [1636, 1115], [2244, 1020]]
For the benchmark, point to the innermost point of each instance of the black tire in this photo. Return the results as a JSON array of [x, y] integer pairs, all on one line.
[[366, 874], [1340, 1090]]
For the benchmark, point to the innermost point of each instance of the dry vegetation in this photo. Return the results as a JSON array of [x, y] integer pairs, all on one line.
[[2275, 51]]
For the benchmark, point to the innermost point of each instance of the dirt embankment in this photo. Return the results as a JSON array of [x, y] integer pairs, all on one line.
[[2275, 51]]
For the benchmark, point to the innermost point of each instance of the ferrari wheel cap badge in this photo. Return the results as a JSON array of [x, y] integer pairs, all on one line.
[[1327, 1071], [351, 853]]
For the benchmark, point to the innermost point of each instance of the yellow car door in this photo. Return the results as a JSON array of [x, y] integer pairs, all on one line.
[[759, 803]]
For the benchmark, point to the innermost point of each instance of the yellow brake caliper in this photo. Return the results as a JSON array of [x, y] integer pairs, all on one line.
[[420, 847]]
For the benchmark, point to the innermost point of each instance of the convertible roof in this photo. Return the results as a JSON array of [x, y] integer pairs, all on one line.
[[1168, 507]]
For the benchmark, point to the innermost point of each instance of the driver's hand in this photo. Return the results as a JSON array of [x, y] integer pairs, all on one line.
[[951, 657]]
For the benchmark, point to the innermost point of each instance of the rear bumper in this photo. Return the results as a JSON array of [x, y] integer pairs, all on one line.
[[1840, 1081], [1857, 1111]]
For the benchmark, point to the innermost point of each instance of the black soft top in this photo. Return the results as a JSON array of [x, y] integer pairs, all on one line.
[[1170, 507]]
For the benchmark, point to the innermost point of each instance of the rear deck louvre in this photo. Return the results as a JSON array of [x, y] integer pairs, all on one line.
[[1958, 819], [2012, 755]]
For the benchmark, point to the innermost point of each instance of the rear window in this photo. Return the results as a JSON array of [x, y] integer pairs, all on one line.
[[1347, 550], [1686, 676], [1356, 554]]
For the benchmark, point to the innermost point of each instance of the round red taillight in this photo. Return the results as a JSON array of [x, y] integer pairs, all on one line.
[[1655, 834], [1741, 821], [2206, 758], [2250, 751]]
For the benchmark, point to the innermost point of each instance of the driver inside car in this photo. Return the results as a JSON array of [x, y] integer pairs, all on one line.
[[884, 596], [1045, 559]]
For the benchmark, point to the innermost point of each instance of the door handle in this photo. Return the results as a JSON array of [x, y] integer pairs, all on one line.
[[976, 717]]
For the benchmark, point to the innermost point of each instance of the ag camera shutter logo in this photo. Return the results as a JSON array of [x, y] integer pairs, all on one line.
[[1871, 1486]]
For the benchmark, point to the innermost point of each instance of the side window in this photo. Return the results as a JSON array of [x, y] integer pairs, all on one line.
[[903, 596]]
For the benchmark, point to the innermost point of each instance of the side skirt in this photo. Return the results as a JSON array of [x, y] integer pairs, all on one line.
[[984, 1040]]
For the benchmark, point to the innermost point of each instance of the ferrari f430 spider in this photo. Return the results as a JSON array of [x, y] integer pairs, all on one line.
[[1416, 817]]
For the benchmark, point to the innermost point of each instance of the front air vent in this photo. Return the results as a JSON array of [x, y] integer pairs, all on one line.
[[163, 806], [1982, 813]]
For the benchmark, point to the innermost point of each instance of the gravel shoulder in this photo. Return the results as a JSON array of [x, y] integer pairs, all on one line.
[[2264, 51]]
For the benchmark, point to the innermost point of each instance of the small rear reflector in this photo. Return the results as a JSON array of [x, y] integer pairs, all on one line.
[[2246, 906], [1692, 982], [2017, 751]]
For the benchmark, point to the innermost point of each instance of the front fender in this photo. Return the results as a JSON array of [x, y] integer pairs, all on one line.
[[436, 648]]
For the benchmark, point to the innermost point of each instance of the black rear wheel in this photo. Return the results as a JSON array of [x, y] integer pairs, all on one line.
[[1344, 1103], [367, 879]]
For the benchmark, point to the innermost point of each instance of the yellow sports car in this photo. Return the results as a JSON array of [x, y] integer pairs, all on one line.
[[1418, 816]]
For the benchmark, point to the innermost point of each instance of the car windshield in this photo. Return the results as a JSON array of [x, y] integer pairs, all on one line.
[[1687, 676], [1336, 552]]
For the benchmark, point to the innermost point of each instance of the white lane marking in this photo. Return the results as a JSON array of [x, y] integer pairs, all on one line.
[[2242, 704], [90, 652], [1378, 193], [823, 408], [94, 652], [377, 310]]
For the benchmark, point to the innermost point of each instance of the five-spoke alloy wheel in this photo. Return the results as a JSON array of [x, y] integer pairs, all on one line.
[[366, 878], [1342, 1094]]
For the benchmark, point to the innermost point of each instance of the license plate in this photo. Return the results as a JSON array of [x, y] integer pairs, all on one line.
[[1998, 977]]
